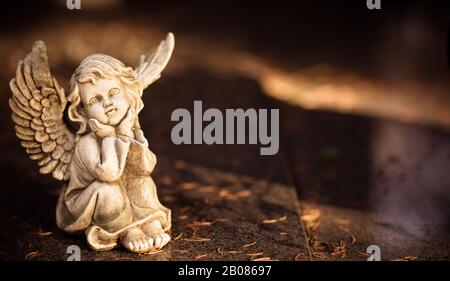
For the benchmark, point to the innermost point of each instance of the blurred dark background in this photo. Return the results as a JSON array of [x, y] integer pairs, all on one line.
[[344, 33]]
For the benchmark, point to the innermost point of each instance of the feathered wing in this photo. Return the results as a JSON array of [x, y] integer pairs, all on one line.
[[38, 104], [150, 69]]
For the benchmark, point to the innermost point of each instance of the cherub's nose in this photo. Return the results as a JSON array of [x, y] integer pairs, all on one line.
[[107, 103]]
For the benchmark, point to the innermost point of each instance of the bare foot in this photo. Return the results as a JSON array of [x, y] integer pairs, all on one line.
[[155, 232], [135, 240]]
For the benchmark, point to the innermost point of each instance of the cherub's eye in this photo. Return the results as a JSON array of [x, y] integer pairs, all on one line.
[[95, 99], [114, 91]]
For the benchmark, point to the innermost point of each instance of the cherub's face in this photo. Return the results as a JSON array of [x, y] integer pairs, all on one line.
[[105, 101]]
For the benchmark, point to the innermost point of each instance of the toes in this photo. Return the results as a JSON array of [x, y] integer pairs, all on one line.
[[165, 239], [144, 244], [156, 237], [158, 242], [136, 241], [150, 242], [131, 246], [137, 246]]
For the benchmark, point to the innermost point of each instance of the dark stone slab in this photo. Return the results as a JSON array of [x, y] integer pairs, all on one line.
[[357, 230], [384, 181]]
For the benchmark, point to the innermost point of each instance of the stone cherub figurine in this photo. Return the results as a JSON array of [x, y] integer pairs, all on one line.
[[95, 145]]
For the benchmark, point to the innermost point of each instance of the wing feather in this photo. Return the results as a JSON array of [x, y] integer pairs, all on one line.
[[33, 150], [58, 152], [17, 93], [21, 82], [26, 73], [27, 108], [17, 110], [24, 137], [24, 131], [37, 127], [150, 69], [37, 156], [29, 144], [20, 121]]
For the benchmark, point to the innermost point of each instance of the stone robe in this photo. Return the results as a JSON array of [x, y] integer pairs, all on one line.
[[110, 190]]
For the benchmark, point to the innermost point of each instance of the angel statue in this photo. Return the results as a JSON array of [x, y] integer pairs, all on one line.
[[95, 145]]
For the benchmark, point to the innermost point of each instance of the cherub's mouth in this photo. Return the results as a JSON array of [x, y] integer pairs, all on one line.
[[110, 111]]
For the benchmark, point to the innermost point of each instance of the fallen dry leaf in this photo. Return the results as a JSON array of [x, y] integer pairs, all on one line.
[[33, 255], [270, 221], [283, 218], [201, 256], [407, 258], [363, 254], [339, 250], [152, 252], [250, 244], [181, 251], [42, 233], [234, 252], [255, 254], [319, 255], [262, 259], [201, 223], [226, 194], [197, 239]]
